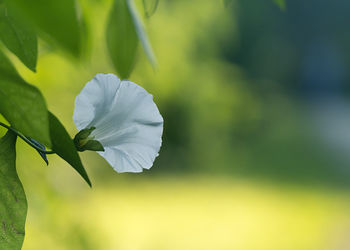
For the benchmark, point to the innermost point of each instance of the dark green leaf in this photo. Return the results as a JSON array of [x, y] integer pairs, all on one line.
[[63, 145], [57, 20], [22, 104], [13, 205], [281, 4], [150, 7], [121, 38], [18, 39], [141, 33], [124, 29]]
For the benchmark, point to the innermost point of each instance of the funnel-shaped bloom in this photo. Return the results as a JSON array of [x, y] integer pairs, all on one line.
[[122, 117]]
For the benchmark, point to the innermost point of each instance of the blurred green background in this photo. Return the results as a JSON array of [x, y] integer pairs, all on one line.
[[256, 142]]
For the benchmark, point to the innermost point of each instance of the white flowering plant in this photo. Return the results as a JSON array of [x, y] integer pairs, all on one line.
[[115, 117]]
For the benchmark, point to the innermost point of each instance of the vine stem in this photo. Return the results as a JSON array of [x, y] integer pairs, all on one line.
[[24, 138]]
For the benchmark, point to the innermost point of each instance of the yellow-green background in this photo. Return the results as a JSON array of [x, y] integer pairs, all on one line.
[[208, 189]]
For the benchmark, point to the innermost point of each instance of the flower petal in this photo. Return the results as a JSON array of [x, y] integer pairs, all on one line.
[[128, 123], [95, 99]]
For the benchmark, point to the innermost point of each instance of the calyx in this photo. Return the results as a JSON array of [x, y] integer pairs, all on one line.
[[83, 141]]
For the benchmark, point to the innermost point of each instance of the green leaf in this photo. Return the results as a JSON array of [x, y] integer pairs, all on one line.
[[18, 39], [281, 4], [56, 20], [141, 33], [124, 29], [63, 145], [22, 104], [121, 38], [13, 205], [150, 7]]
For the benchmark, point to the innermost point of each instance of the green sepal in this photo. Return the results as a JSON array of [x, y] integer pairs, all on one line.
[[83, 134], [93, 145], [83, 141]]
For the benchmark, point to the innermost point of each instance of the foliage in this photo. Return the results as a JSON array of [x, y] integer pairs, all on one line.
[[13, 206], [22, 104], [124, 31], [64, 146], [54, 20], [18, 39], [122, 38], [60, 25]]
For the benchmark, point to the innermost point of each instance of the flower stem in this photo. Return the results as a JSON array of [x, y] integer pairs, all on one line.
[[24, 138]]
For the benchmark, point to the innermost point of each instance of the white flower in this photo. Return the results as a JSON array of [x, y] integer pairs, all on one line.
[[126, 120]]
